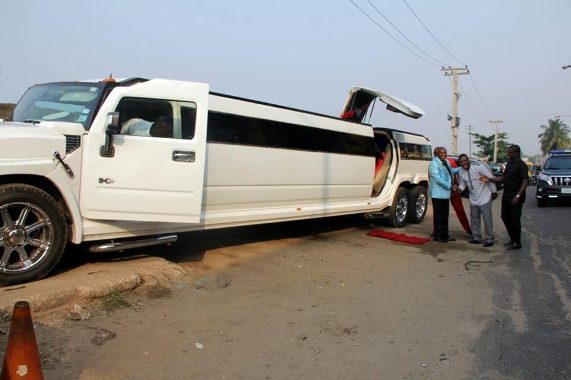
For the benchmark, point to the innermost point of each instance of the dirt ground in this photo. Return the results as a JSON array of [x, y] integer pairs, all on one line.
[[310, 299]]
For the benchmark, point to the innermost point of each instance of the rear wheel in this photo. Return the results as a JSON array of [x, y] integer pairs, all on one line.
[[399, 209], [418, 204], [33, 233]]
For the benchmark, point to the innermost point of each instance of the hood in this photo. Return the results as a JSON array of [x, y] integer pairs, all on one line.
[[360, 99], [26, 140]]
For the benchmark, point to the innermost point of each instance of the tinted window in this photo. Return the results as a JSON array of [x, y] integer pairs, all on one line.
[[558, 162], [236, 129], [188, 121], [409, 151], [145, 117]]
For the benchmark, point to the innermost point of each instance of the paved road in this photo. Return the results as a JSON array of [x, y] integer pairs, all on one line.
[[531, 338], [319, 299]]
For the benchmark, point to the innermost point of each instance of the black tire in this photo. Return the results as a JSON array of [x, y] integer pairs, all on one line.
[[33, 233], [398, 211], [418, 204], [541, 203]]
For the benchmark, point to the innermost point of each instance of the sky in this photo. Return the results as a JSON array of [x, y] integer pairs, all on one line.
[[307, 54]]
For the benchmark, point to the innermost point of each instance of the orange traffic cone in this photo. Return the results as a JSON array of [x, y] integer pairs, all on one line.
[[22, 359]]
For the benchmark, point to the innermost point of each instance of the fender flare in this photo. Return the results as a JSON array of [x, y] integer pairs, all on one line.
[[37, 173]]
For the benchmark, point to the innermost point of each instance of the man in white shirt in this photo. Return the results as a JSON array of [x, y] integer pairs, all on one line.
[[162, 127], [481, 196], [136, 127]]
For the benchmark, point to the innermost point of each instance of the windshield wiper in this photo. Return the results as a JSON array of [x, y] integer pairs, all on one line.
[[32, 121]]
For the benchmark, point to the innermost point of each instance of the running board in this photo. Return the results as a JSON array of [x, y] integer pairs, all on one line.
[[122, 245], [377, 215]]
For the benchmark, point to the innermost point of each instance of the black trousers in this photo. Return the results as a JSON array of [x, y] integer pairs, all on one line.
[[441, 210], [511, 216]]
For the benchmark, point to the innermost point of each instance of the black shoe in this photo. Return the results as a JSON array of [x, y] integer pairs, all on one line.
[[488, 244], [451, 239], [508, 243], [440, 240], [514, 246], [474, 241]]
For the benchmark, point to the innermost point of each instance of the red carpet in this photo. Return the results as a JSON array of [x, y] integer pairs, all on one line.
[[398, 237]]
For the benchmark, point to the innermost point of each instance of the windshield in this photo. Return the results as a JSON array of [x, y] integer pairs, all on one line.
[[558, 162], [71, 102]]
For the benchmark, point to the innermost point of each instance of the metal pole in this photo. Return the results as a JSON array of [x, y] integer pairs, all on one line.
[[454, 121], [496, 144], [496, 122], [469, 126]]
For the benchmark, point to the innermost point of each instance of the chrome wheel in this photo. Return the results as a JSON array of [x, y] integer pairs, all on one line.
[[418, 200], [420, 205], [33, 233], [402, 209], [26, 235]]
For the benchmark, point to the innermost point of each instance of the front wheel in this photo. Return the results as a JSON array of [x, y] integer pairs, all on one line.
[[33, 233], [399, 209], [418, 201], [541, 202]]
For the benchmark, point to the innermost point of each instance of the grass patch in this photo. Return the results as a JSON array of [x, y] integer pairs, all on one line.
[[114, 301]]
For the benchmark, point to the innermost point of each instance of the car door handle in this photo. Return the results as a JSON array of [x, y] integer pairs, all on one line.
[[183, 156]]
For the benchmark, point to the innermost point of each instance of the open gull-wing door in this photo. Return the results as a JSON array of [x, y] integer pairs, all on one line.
[[360, 99]]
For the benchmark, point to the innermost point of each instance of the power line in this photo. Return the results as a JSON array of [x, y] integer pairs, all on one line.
[[390, 35], [432, 34], [476, 112], [472, 111], [480, 96], [404, 36]]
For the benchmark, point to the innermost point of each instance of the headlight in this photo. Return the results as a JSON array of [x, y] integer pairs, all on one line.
[[545, 178]]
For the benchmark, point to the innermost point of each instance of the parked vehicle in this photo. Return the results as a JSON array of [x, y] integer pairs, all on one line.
[[536, 171], [497, 170], [127, 163], [554, 181]]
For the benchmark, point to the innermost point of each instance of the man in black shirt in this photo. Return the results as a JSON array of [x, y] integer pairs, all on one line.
[[515, 179]]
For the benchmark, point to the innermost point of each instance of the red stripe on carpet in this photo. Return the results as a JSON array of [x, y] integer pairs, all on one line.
[[398, 237]]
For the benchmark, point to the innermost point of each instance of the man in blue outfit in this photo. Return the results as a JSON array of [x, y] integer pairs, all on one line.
[[440, 189]]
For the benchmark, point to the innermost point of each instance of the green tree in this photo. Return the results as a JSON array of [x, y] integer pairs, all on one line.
[[555, 136], [486, 146]]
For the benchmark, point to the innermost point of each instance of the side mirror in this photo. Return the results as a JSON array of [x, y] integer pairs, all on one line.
[[113, 128], [113, 123]]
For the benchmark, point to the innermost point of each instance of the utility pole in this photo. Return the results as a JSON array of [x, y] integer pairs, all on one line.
[[454, 120], [469, 127], [496, 122]]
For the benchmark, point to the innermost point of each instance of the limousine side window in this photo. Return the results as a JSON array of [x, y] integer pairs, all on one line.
[[146, 117], [409, 151]]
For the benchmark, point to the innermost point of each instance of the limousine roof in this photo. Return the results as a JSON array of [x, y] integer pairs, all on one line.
[[361, 98]]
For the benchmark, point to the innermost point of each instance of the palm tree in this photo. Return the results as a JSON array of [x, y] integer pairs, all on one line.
[[555, 136]]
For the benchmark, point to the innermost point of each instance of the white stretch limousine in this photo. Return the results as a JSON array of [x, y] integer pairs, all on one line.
[[139, 160]]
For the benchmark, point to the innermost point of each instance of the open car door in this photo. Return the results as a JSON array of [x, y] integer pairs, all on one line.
[[360, 99], [152, 178]]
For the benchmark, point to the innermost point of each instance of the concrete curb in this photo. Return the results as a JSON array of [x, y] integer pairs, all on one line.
[[96, 280]]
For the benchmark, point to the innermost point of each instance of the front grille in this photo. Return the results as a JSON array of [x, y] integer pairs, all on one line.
[[561, 180], [72, 143]]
